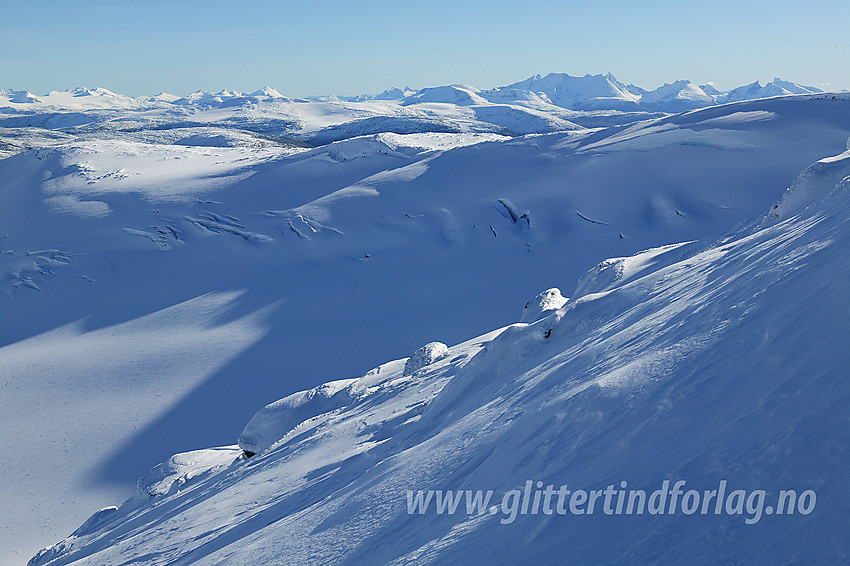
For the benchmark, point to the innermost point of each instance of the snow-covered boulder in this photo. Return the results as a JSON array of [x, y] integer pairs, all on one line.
[[273, 421], [547, 301], [424, 356], [178, 470]]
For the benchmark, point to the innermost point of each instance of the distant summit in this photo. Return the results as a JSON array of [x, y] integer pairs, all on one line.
[[395, 93], [678, 96], [590, 92], [19, 96], [777, 87], [461, 95], [267, 91]]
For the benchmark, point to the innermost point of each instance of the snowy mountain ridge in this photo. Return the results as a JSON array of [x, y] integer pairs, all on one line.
[[590, 92]]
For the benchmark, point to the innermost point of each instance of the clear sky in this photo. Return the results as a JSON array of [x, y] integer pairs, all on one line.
[[316, 47]]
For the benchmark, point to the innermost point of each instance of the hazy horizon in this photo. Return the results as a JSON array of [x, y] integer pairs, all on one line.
[[321, 48]]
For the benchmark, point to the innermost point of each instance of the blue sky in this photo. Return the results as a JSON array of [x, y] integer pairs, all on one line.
[[315, 47]]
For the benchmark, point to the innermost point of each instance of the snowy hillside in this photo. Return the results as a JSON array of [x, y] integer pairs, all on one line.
[[170, 271], [719, 362]]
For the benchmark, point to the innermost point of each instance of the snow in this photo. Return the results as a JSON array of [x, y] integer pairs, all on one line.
[[268, 92], [275, 420], [822, 179], [726, 363], [614, 272], [80, 98], [777, 87], [539, 104], [580, 93], [677, 96], [738, 118], [68, 429], [453, 94], [545, 302], [161, 294], [425, 356], [175, 473], [157, 172], [655, 137]]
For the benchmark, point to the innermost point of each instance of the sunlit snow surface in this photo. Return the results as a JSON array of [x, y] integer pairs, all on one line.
[[160, 294]]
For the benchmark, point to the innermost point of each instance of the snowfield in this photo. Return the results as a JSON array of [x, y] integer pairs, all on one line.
[[172, 266]]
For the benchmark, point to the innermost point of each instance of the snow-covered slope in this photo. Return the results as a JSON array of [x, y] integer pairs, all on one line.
[[254, 273], [717, 363]]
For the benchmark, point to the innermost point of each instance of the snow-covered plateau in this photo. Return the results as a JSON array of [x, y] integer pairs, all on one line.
[[200, 296]]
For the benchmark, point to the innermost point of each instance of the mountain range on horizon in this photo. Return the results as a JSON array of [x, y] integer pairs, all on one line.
[[590, 92], [265, 117]]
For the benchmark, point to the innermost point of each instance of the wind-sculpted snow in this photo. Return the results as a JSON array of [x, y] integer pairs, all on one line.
[[175, 473], [822, 179], [726, 362], [275, 420], [292, 414], [616, 271]]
